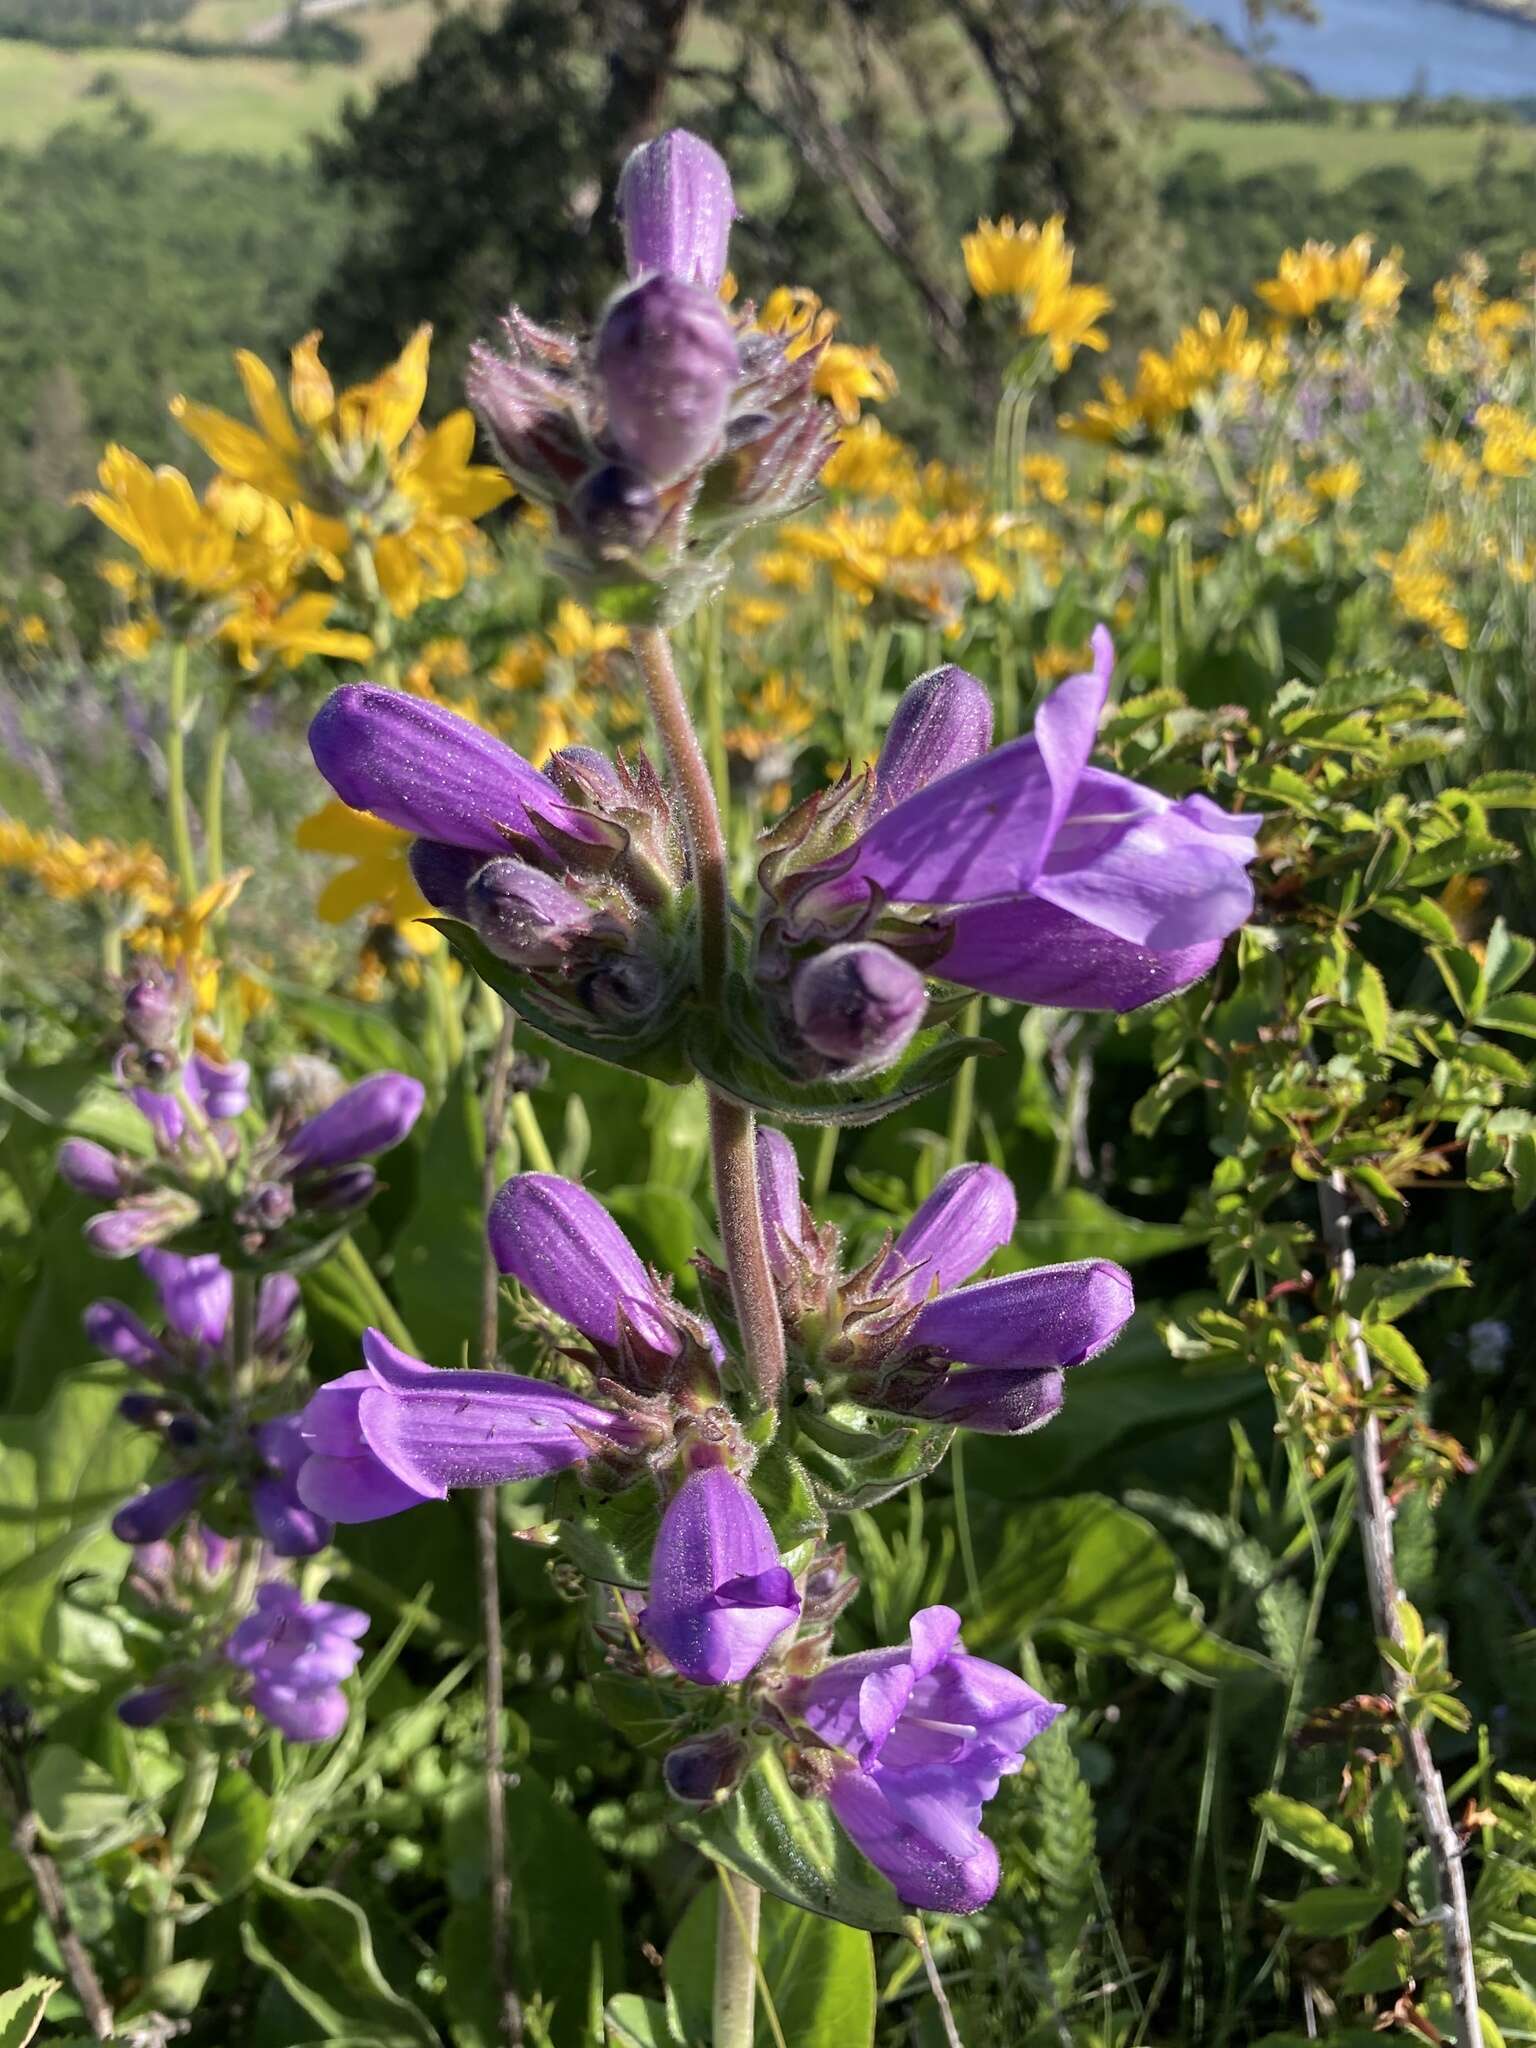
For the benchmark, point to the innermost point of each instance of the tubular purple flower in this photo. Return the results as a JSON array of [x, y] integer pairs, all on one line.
[[719, 1595], [152, 1012], [152, 1704], [119, 1233], [928, 1733], [403, 1432], [443, 873], [117, 1332], [1049, 1316], [195, 1294], [969, 1216], [676, 206], [1057, 880], [276, 1302], [220, 1088], [943, 721], [372, 1117], [778, 1191], [297, 1653], [858, 1004], [90, 1169], [155, 1514], [287, 1524], [994, 1401], [562, 1244], [667, 359], [524, 916], [428, 771]]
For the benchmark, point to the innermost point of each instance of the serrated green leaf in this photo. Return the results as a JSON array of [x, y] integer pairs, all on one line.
[[21, 2010], [1308, 1835], [1383, 1293], [794, 1849], [1508, 789], [1509, 1013], [1392, 1349], [1421, 915]]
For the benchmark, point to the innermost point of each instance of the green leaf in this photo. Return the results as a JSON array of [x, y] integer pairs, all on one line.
[[229, 1850], [1385, 1964], [1369, 992], [1513, 2009], [820, 1975], [1381, 1294], [439, 1253], [1092, 1574], [21, 2010], [1076, 1224], [63, 1474], [360, 1033], [857, 1458], [1509, 1013], [73, 1099], [1308, 1835], [1506, 789], [318, 1946], [1462, 854], [1392, 1348], [633, 2022], [611, 1539], [1333, 1909], [1418, 914], [794, 1849], [81, 1806]]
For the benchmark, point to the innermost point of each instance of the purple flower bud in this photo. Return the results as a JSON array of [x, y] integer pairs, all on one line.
[[265, 1207], [616, 507], [969, 1216], [994, 1401], [276, 1303], [719, 1595], [195, 1293], [525, 917], [859, 1005], [443, 873], [348, 1188], [402, 1432], [116, 1332], [778, 1191], [372, 1117], [155, 1513], [928, 1733], [944, 719], [429, 771], [1049, 1316], [706, 1770], [184, 1432], [297, 1653], [666, 354], [90, 1169], [143, 1411], [625, 990], [676, 206], [221, 1088], [564, 1247], [152, 1013], [585, 776], [119, 1233], [144, 1709]]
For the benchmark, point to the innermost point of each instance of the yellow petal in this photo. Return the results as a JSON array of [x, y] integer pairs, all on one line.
[[309, 384], [266, 402], [238, 449]]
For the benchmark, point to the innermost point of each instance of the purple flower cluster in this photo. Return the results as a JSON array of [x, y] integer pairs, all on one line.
[[1018, 871], [296, 1654], [906, 1335], [190, 1365]]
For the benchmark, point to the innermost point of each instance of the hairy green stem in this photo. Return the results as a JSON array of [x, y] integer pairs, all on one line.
[[530, 1135], [213, 789], [731, 1138], [198, 1785], [738, 1909], [509, 2006], [176, 771]]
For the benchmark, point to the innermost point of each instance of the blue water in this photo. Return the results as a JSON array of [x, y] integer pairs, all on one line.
[[1377, 49]]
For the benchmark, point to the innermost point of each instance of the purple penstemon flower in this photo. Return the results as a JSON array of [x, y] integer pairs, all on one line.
[[373, 1117], [987, 1356], [676, 207], [719, 1594], [296, 1654], [401, 1432], [1046, 881], [926, 1734]]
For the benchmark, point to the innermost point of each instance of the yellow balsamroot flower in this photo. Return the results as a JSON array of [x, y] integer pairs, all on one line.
[[870, 462], [1337, 483], [76, 870], [573, 637], [919, 565], [776, 715], [1509, 440], [784, 570], [33, 628], [1423, 573], [845, 375], [1317, 275], [359, 461], [750, 615], [1033, 264], [378, 877], [1047, 477], [209, 547], [179, 938]]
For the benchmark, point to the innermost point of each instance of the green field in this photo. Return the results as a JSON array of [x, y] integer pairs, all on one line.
[[1438, 153]]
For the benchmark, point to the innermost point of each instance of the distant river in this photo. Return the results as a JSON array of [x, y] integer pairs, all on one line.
[[1377, 49]]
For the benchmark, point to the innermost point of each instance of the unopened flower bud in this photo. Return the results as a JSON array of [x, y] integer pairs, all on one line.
[[668, 362], [152, 1013], [156, 1513], [348, 1188], [858, 1004], [703, 1772], [143, 1709], [119, 1233], [90, 1169], [268, 1206], [676, 206], [525, 917], [624, 990], [943, 721], [372, 1117], [616, 507]]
